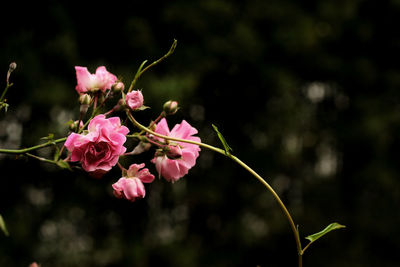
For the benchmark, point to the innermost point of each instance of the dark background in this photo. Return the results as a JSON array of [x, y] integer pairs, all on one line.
[[305, 92]]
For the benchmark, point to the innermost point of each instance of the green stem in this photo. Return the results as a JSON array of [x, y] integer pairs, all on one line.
[[25, 150], [140, 71], [40, 158], [5, 91], [246, 167]]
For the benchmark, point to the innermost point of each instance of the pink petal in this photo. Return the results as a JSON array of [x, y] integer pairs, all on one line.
[[162, 127], [83, 78], [134, 168], [183, 130]]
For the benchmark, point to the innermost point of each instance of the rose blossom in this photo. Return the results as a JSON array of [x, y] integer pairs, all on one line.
[[87, 82], [99, 149], [131, 187], [174, 161], [134, 99]]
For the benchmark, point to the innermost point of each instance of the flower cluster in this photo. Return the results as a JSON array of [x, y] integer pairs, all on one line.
[[99, 147]]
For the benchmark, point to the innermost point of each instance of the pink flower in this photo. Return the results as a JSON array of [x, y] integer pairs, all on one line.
[[131, 187], [134, 99], [175, 161], [87, 82], [99, 149]]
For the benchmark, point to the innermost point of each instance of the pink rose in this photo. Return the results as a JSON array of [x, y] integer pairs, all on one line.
[[131, 187], [134, 99], [99, 149], [87, 82], [174, 161]]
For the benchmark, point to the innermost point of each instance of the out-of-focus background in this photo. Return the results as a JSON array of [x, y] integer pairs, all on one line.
[[306, 92]]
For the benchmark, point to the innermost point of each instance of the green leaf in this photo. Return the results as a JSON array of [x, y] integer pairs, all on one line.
[[63, 164], [143, 107], [140, 68], [50, 137], [331, 227], [3, 226], [227, 148]]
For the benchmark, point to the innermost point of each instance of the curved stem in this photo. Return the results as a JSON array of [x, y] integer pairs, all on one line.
[[246, 167], [25, 150], [140, 71]]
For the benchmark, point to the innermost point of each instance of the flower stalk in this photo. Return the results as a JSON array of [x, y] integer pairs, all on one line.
[[243, 165]]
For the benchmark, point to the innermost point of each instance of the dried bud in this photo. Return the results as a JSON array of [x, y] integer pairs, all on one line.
[[118, 86], [170, 107], [140, 148], [12, 67]]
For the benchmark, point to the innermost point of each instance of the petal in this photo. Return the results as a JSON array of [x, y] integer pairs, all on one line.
[[145, 176], [97, 122], [134, 168], [71, 140], [173, 171], [183, 130], [83, 78], [162, 127], [133, 188], [188, 159], [104, 79]]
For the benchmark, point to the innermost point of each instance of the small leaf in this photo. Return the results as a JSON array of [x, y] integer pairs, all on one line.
[[227, 148], [49, 137], [143, 107], [3, 226], [63, 164], [331, 227]]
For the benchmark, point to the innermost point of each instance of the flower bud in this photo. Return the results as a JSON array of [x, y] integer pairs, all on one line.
[[73, 126], [118, 86], [85, 100], [174, 152], [170, 107], [134, 99]]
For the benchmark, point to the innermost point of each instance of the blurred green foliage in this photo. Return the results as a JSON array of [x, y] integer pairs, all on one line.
[[305, 92]]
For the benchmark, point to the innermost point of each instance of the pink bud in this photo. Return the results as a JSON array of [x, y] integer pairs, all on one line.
[[34, 264], [174, 152], [134, 99]]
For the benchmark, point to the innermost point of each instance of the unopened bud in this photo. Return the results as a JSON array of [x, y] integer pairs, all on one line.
[[118, 86], [170, 107], [174, 152], [85, 99], [73, 126]]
